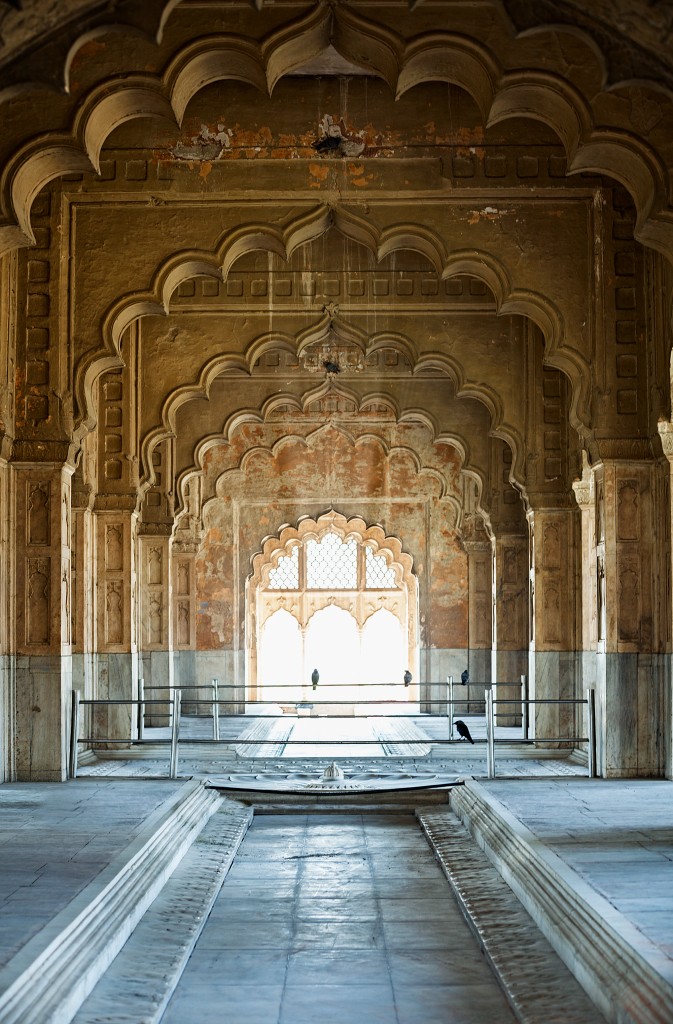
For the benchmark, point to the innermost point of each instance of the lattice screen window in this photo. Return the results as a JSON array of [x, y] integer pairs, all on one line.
[[331, 564], [285, 576], [378, 574]]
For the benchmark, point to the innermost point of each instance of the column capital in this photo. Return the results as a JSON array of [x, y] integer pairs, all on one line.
[[116, 502], [27, 450], [630, 449]]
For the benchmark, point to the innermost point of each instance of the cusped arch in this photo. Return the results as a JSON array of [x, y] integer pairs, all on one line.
[[354, 527], [513, 81], [305, 228]]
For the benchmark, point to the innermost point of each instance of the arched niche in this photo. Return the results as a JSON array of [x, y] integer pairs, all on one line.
[[376, 575]]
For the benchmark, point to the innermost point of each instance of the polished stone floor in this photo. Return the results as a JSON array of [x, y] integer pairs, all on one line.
[[615, 836], [336, 918]]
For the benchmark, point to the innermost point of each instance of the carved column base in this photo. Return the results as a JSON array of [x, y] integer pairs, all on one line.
[[42, 686], [633, 701], [556, 675], [117, 678], [158, 678], [508, 667], [222, 665]]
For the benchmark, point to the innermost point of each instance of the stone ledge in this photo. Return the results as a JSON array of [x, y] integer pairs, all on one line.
[[143, 977], [538, 985], [48, 979], [625, 974]]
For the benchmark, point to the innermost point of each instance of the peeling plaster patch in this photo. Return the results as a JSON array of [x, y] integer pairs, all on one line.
[[487, 213], [335, 140], [208, 145]]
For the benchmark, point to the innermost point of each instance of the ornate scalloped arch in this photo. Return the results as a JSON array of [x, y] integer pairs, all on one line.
[[514, 80], [361, 604]]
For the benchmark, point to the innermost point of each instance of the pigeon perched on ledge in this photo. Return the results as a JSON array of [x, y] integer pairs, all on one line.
[[465, 677], [463, 730]]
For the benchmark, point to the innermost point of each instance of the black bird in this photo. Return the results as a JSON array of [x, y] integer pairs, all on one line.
[[331, 367], [407, 677], [465, 677], [328, 144], [463, 730], [315, 676]]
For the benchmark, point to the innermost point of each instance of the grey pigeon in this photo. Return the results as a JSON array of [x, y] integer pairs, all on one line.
[[315, 676], [465, 677], [407, 677]]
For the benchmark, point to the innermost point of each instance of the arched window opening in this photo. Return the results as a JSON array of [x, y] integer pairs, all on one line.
[[335, 595]]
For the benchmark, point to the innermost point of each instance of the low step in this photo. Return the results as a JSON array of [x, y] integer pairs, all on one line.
[[538, 985], [139, 983], [394, 735], [274, 733], [51, 975]]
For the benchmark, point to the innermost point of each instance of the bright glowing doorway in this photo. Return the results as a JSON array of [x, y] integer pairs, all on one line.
[[336, 596]]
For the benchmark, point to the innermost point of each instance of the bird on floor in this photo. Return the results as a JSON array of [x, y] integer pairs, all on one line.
[[465, 677], [463, 730]]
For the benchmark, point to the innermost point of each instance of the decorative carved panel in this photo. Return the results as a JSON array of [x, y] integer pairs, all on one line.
[[627, 510], [629, 601], [38, 531], [114, 556], [38, 574], [114, 612]]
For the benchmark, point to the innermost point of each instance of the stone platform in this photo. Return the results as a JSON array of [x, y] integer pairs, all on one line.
[[97, 900]]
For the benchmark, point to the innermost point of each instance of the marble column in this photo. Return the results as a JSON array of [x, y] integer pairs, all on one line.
[[554, 665], [83, 593], [43, 664], [183, 608], [7, 717], [633, 531], [509, 657], [116, 660], [156, 622], [480, 627]]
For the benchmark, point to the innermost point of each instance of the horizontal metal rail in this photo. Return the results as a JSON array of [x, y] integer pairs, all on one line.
[[75, 739], [490, 740]]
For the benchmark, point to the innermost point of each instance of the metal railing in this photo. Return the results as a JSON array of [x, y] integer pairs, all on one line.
[[213, 703], [78, 702], [447, 698], [589, 701]]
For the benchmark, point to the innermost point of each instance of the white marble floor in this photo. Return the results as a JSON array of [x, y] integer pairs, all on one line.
[[338, 918]]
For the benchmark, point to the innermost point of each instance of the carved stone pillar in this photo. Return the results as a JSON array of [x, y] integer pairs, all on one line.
[[116, 642], [7, 770], [156, 621], [554, 662], [509, 657], [43, 671], [83, 574], [480, 628], [633, 531], [186, 542]]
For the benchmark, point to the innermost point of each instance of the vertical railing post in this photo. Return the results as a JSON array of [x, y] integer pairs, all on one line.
[[74, 733], [490, 735], [175, 733], [525, 707], [141, 706], [216, 709], [449, 705], [591, 723]]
